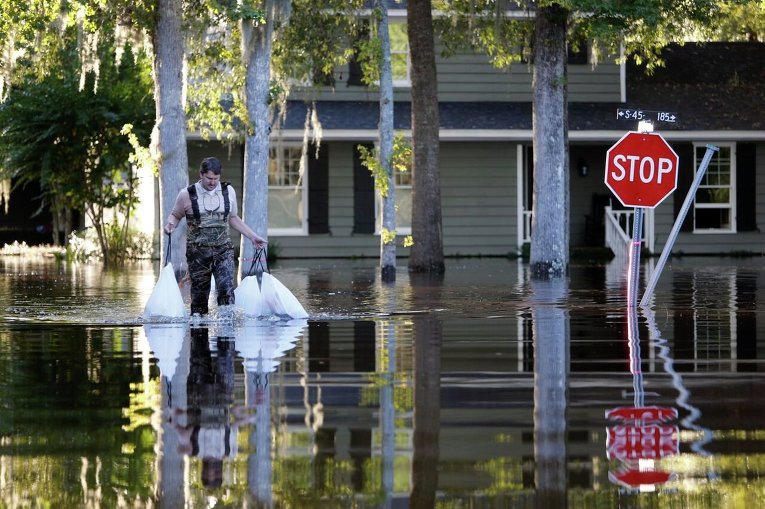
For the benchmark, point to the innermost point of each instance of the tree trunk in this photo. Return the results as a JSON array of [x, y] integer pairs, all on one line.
[[385, 153], [169, 137], [256, 58], [427, 253], [550, 215], [57, 216]]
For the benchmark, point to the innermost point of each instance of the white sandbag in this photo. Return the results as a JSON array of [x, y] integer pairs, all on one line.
[[279, 299], [263, 344], [248, 298], [166, 343], [165, 300]]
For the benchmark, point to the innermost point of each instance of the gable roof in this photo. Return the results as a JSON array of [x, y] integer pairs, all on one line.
[[711, 86]]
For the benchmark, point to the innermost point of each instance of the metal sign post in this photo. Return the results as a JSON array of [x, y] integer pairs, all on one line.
[[711, 149], [633, 280]]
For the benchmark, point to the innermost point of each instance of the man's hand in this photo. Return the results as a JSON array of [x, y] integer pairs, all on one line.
[[169, 227]]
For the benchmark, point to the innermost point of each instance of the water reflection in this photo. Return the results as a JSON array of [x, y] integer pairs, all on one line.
[[551, 378], [642, 434], [480, 388]]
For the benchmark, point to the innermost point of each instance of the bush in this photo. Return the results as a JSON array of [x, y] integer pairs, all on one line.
[[84, 246]]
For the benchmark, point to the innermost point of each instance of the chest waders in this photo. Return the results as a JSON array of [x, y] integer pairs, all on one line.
[[209, 252]]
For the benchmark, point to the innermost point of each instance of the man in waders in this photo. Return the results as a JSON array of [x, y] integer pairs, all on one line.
[[209, 207]]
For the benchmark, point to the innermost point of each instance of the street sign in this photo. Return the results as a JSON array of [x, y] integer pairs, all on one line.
[[668, 117], [641, 169], [635, 478], [642, 442]]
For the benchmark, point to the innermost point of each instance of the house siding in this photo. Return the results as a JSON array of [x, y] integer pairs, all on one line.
[[478, 198], [469, 77]]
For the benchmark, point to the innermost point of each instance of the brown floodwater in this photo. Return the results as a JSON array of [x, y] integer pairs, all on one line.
[[481, 388]]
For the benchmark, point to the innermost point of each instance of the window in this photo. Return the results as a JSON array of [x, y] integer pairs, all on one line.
[[715, 204], [399, 54], [403, 183], [286, 191]]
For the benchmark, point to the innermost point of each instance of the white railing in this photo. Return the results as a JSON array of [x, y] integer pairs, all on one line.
[[619, 230]]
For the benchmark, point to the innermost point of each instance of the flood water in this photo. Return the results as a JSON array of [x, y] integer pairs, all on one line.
[[480, 389]]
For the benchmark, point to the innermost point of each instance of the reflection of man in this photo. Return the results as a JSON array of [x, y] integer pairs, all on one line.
[[209, 207], [208, 433]]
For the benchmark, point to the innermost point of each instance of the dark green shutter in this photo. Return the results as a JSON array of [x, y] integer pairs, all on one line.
[[685, 176], [318, 189], [746, 195], [363, 195]]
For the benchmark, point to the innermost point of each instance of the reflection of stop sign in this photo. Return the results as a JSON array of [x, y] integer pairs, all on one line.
[[633, 478], [641, 169]]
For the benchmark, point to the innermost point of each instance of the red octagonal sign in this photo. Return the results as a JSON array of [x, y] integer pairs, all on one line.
[[641, 169]]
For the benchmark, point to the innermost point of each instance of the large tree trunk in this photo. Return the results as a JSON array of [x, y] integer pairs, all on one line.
[[427, 253], [256, 57], [385, 154], [550, 216], [169, 137]]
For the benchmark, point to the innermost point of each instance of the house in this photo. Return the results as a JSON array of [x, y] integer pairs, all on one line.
[[717, 91]]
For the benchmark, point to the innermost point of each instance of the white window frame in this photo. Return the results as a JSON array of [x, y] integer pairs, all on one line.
[[280, 149], [406, 82], [732, 189], [406, 230]]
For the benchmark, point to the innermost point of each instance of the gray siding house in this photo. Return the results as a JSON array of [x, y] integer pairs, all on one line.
[[327, 206]]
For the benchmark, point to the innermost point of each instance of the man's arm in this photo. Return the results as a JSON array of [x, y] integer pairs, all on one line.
[[239, 225], [178, 212]]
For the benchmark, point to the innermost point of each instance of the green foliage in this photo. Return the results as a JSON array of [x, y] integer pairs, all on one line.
[[370, 56], [643, 26], [401, 160], [316, 40], [387, 236], [216, 100], [85, 245], [737, 21], [69, 139]]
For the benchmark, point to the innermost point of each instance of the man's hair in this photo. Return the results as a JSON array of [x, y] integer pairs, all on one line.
[[210, 164]]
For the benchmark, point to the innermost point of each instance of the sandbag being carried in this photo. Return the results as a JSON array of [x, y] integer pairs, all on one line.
[[165, 300], [279, 299], [248, 298]]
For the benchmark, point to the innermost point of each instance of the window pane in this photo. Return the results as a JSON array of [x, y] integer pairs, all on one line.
[[285, 208], [285, 188], [399, 40], [403, 178], [398, 67], [712, 219], [284, 170], [713, 204], [403, 208], [719, 195]]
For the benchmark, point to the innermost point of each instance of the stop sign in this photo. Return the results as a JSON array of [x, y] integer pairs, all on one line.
[[641, 169]]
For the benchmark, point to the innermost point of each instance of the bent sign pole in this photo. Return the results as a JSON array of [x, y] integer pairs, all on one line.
[[711, 149], [641, 170]]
